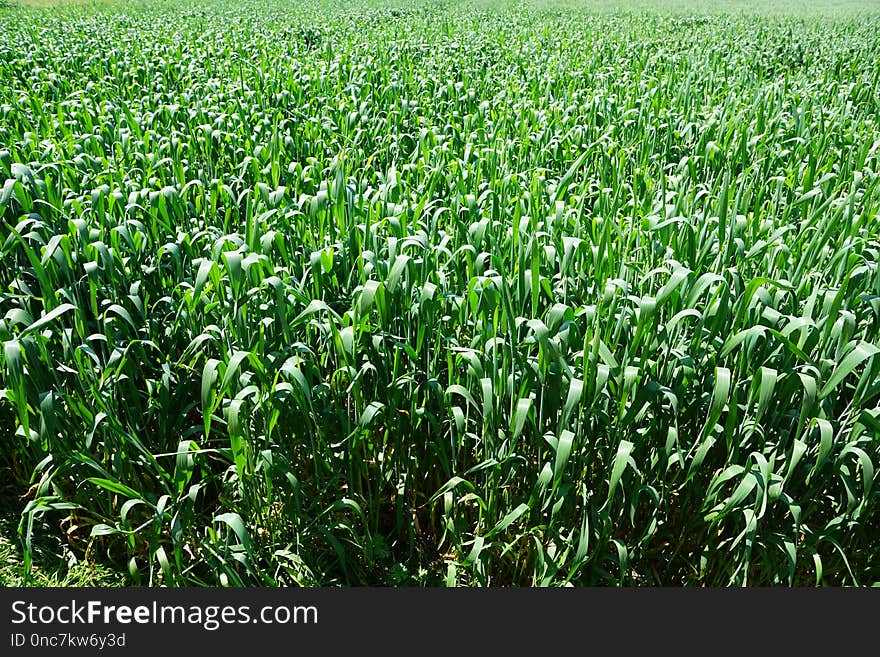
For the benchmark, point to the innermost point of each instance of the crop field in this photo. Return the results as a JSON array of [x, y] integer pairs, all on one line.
[[440, 293]]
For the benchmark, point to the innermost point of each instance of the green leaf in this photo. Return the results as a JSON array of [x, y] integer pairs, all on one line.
[[236, 524], [49, 317], [508, 520], [857, 355], [621, 460]]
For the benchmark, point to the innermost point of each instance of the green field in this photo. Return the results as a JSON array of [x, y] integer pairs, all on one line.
[[440, 293]]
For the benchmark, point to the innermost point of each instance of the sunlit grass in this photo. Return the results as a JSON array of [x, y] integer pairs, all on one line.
[[441, 294]]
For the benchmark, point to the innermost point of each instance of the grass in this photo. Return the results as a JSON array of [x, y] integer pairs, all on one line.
[[779, 8], [45, 3], [75, 573], [436, 293], [59, 564]]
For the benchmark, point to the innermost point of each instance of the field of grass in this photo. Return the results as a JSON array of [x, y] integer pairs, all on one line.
[[440, 293]]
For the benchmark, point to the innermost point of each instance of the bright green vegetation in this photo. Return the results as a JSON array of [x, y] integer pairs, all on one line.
[[435, 293]]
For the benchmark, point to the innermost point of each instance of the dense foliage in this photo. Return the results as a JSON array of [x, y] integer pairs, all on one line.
[[426, 293]]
